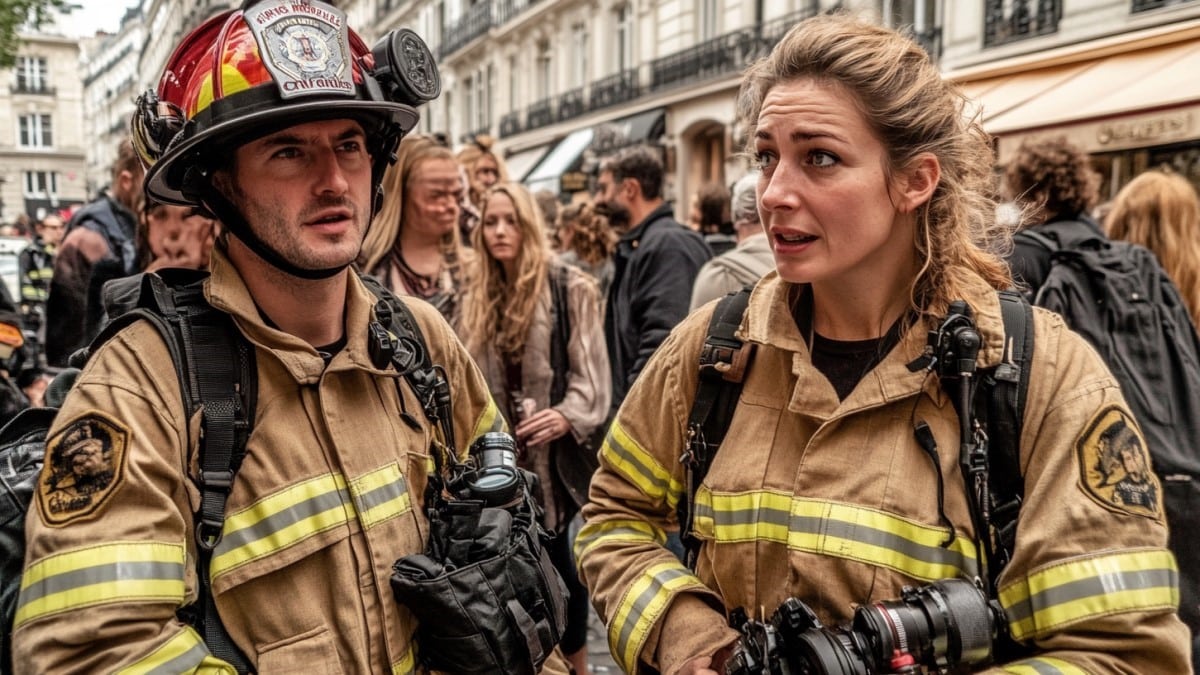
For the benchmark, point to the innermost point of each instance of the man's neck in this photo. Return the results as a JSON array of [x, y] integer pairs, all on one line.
[[313, 310], [641, 210]]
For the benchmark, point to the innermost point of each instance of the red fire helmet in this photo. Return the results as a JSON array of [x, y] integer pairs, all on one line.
[[268, 66]]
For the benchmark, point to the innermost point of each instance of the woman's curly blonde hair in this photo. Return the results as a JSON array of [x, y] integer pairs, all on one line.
[[498, 310], [912, 110]]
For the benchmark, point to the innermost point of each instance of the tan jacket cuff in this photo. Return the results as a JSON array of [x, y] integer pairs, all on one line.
[[691, 628]]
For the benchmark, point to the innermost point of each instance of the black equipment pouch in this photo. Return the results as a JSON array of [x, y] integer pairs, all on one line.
[[486, 596]]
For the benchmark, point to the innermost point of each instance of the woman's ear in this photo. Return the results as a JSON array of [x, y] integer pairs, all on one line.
[[916, 183]]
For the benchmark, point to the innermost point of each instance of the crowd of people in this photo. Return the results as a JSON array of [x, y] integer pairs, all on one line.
[[578, 326]]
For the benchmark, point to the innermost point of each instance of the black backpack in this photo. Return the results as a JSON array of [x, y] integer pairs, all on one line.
[[1117, 296], [201, 340]]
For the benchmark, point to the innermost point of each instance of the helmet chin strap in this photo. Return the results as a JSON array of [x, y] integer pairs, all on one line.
[[233, 220]]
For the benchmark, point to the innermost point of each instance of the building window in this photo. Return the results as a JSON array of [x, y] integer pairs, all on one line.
[[481, 101], [919, 16], [624, 21], [707, 20], [512, 83], [579, 42], [543, 71], [469, 93], [31, 74], [35, 131], [489, 100], [41, 184]]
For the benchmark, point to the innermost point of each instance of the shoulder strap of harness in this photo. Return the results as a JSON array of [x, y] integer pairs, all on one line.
[[406, 349], [200, 340], [1006, 388], [724, 360]]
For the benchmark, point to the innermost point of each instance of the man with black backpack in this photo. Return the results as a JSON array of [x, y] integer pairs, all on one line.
[[1119, 298], [334, 424]]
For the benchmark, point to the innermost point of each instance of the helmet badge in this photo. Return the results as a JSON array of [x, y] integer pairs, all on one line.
[[304, 45]]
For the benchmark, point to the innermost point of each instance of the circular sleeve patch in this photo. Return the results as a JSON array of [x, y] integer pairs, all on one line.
[[1115, 465], [84, 465]]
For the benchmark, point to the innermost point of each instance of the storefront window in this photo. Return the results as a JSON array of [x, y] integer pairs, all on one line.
[[1118, 168]]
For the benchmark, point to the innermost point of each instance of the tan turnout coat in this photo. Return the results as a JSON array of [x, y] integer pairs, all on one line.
[[328, 497], [835, 503]]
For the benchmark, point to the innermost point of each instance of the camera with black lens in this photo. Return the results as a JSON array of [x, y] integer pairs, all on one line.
[[486, 597], [491, 474], [946, 627]]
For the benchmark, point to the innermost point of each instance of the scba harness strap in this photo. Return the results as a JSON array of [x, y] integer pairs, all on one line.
[[998, 403], [200, 340]]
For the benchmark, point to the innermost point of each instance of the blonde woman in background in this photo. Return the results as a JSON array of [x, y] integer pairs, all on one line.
[[484, 168], [533, 325], [413, 245], [1160, 210]]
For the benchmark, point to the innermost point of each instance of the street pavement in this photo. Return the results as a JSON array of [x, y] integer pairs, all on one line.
[[599, 658]]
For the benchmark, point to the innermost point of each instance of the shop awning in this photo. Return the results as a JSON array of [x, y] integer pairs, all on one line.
[[520, 163], [1152, 78], [564, 157], [644, 127]]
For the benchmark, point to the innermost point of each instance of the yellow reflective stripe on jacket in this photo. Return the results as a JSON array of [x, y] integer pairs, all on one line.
[[632, 461], [282, 520], [118, 572], [1083, 588], [407, 663], [616, 531], [834, 529], [641, 608], [380, 495], [29, 292], [489, 420], [184, 653], [1042, 665]]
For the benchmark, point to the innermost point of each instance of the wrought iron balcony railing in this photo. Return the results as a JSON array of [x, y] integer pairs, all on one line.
[[510, 9], [723, 55], [570, 104], [476, 22], [510, 124], [613, 89], [1024, 20], [1147, 5], [539, 114], [41, 90]]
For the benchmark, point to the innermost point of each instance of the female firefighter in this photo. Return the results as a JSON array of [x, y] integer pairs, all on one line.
[[838, 480]]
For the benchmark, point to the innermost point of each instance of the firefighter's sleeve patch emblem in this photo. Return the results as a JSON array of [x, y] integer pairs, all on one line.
[[84, 465], [1115, 465]]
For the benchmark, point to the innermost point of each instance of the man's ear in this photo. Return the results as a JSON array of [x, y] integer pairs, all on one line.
[[632, 189], [125, 181], [916, 182]]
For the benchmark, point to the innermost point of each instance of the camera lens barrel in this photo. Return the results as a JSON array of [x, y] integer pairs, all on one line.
[[497, 480], [947, 623]]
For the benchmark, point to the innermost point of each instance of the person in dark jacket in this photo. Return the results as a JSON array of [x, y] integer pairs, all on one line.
[[104, 230], [655, 263], [1052, 181]]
